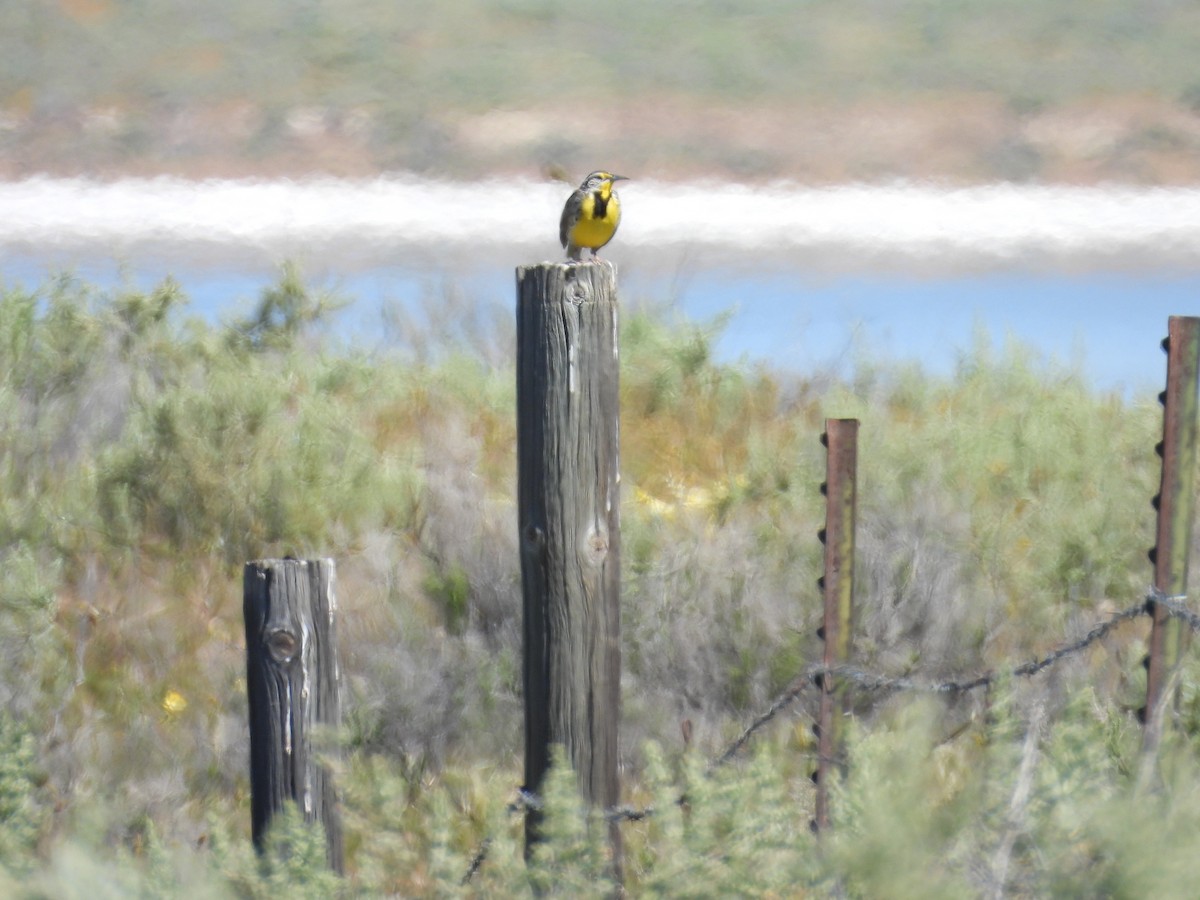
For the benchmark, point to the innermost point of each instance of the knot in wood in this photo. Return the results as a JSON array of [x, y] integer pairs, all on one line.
[[578, 291], [534, 537], [281, 645], [596, 545]]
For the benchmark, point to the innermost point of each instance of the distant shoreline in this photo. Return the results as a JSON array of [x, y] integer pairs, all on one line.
[[404, 220], [799, 276]]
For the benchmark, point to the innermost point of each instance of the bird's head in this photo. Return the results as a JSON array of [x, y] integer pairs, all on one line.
[[601, 181]]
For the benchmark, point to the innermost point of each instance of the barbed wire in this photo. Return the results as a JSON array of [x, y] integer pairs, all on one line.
[[476, 861], [782, 702], [812, 677], [1174, 607], [871, 681], [631, 813]]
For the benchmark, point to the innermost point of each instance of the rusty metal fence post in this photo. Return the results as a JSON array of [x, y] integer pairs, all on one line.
[[1174, 502], [841, 499]]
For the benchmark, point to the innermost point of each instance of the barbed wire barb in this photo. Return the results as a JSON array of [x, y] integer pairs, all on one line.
[[1174, 605]]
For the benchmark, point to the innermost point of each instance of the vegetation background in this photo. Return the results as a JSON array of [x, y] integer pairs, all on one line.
[[146, 453]]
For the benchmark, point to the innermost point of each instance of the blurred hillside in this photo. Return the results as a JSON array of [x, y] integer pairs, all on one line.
[[1066, 90]]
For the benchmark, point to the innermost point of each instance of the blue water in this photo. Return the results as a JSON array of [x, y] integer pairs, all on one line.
[[1108, 324]]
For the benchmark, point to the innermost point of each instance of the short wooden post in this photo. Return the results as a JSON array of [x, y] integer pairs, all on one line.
[[569, 518], [1175, 503], [841, 499], [292, 679]]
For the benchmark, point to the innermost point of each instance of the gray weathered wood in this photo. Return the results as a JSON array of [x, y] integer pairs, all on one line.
[[292, 680], [569, 519]]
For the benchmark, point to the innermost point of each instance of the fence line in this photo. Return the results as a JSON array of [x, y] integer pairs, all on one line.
[[833, 677], [812, 677]]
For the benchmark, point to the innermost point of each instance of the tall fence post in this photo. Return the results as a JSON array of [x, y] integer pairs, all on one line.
[[292, 680], [841, 500], [1174, 502], [569, 519]]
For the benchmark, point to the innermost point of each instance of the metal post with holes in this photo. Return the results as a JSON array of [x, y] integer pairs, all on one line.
[[1174, 502], [292, 682], [841, 501], [568, 507]]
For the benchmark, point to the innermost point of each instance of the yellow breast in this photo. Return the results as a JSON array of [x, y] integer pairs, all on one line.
[[598, 220]]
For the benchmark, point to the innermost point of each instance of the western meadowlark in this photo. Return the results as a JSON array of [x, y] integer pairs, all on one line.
[[591, 216]]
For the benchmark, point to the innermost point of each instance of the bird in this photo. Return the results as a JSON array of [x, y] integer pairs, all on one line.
[[591, 216]]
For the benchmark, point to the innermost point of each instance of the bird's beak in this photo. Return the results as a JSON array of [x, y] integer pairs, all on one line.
[[620, 178]]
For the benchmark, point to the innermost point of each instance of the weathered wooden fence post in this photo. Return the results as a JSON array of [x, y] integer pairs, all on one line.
[[1175, 502], [292, 681], [569, 519], [841, 500]]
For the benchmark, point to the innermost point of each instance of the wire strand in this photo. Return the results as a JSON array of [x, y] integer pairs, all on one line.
[[812, 677]]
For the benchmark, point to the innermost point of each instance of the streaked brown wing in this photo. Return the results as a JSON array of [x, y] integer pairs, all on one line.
[[569, 214]]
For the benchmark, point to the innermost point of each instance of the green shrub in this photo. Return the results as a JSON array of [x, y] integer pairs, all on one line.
[[23, 816], [144, 457]]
